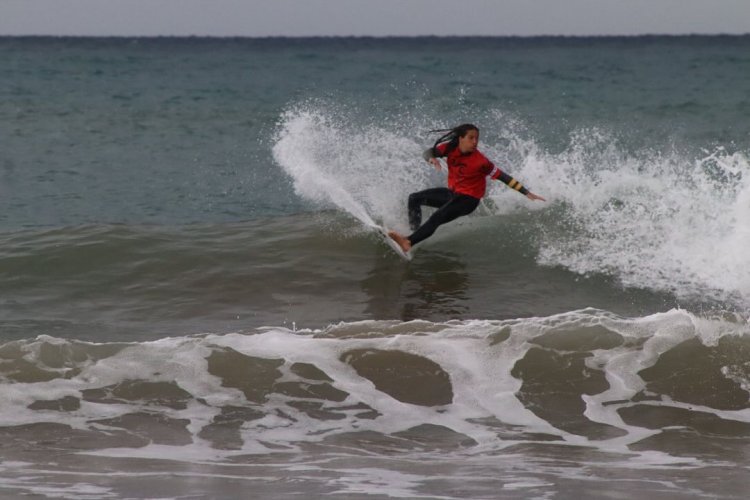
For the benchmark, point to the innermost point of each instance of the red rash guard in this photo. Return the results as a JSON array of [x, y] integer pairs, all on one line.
[[467, 173]]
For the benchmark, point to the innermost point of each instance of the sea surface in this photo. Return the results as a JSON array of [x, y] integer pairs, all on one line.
[[193, 304]]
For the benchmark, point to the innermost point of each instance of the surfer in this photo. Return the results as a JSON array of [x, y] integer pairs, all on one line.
[[468, 170]]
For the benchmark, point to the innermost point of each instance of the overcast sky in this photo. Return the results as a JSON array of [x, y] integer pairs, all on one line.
[[372, 17]]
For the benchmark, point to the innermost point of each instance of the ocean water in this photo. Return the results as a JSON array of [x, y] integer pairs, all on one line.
[[192, 304]]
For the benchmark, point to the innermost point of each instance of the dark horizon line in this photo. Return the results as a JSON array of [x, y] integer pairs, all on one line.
[[386, 37]]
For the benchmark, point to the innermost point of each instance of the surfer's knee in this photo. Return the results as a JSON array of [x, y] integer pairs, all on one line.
[[414, 200]]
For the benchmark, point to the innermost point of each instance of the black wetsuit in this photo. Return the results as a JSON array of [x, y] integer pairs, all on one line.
[[450, 206]]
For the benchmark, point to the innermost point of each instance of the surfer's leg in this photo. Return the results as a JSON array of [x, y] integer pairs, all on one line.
[[434, 197], [458, 206]]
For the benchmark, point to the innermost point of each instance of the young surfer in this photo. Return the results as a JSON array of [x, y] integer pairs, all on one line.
[[468, 170]]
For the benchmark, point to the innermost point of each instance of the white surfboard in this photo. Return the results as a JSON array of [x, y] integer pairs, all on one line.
[[389, 241]]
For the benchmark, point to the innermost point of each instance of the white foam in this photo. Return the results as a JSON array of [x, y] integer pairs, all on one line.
[[662, 221], [78, 491], [480, 372], [391, 483], [366, 172]]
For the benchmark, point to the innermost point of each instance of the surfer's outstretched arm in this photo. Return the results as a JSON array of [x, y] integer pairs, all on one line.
[[533, 196], [513, 183]]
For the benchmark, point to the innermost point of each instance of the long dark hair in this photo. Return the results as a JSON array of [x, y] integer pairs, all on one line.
[[451, 135]]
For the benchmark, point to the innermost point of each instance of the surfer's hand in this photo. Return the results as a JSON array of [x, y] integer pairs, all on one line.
[[436, 163], [533, 196]]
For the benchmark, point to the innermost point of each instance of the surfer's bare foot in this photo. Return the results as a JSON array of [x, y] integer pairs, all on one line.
[[402, 241]]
